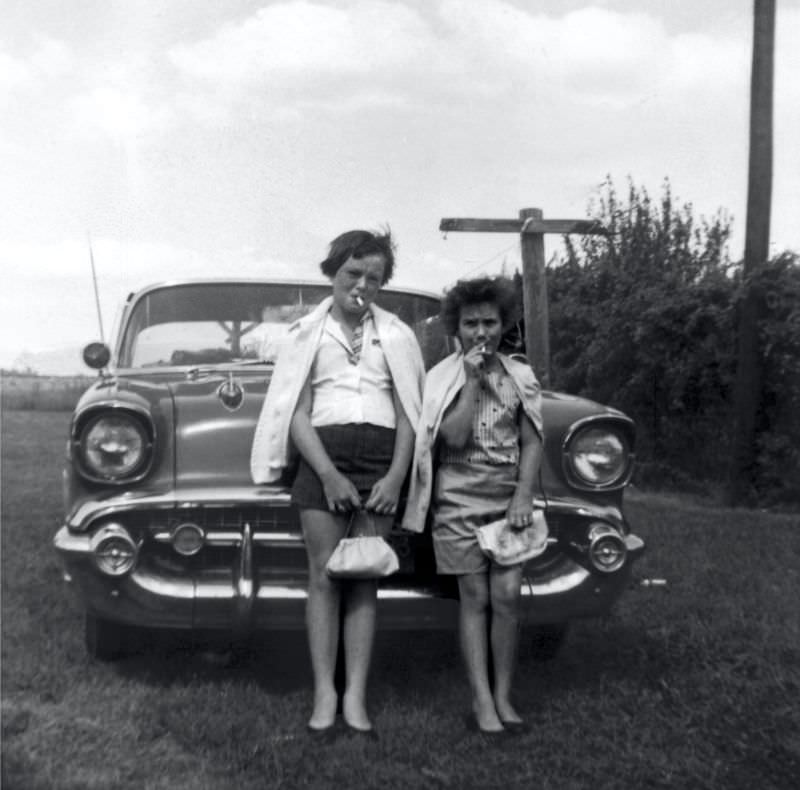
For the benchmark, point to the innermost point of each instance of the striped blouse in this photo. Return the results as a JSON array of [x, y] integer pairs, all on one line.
[[495, 426]]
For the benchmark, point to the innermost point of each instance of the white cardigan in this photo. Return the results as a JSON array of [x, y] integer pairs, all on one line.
[[271, 449]]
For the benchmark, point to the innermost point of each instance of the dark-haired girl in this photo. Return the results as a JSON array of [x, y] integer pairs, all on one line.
[[481, 431], [345, 393]]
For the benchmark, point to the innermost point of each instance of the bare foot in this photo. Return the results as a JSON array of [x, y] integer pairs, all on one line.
[[354, 712], [486, 717], [506, 712], [324, 713]]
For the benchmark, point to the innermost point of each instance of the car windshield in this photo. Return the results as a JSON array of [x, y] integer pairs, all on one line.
[[224, 323]]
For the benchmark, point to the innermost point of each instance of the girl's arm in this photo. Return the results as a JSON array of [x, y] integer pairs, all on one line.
[[520, 509], [340, 492], [456, 426]]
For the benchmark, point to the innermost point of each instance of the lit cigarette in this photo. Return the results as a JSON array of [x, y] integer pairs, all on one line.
[[482, 349], [359, 301]]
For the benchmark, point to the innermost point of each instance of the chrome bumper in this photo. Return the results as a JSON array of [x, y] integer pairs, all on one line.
[[243, 598]]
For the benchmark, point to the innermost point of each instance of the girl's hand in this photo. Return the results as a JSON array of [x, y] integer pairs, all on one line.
[[384, 496], [520, 513], [475, 362], [340, 492]]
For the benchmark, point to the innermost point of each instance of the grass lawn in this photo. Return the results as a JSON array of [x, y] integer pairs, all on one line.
[[694, 686]]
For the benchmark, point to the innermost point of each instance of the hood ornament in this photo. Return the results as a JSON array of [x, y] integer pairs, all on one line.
[[231, 393]]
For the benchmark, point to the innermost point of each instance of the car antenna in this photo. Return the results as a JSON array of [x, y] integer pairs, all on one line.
[[96, 293]]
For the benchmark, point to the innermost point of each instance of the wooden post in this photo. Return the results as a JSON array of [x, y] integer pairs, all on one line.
[[749, 374], [534, 298], [531, 226]]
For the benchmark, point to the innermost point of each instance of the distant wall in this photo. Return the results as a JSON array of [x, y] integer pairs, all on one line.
[[22, 391]]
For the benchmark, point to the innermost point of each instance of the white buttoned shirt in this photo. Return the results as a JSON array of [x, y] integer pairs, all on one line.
[[344, 391]]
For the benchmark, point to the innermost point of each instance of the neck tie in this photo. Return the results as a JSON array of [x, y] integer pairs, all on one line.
[[355, 343]]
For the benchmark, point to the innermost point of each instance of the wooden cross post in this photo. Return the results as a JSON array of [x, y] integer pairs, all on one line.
[[531, 226]]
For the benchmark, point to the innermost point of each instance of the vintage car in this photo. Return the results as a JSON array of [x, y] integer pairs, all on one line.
[[164, 527]]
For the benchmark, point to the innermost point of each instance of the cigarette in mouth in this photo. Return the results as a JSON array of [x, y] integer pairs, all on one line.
[[359, 301], [482, 349]]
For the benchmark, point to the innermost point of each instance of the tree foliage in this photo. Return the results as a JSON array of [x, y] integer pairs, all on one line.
[[778, 431], [644, 319]]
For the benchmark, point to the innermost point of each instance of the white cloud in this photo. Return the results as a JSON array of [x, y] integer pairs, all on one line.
[[14, 74], [124, 100], [595, 56], [304, 54], [293, 56], [698, 63], [117, 112], [50, 60], [302, 38]]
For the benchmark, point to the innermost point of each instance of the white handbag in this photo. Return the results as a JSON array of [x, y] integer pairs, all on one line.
[[362, 556], [508, 546]]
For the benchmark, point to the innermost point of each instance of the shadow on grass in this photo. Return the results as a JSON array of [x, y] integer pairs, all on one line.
[[276, 661], [412, 662]]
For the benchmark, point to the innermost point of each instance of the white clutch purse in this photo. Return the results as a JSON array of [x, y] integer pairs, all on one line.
[[362, 556], [507, 546]]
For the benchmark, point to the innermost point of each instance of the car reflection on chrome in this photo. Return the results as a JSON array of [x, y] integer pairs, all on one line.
[[164, 528]]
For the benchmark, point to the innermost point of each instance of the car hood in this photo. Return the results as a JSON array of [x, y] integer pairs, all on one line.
[[215, 418], [202, 435], [212, 442], [205, 422]]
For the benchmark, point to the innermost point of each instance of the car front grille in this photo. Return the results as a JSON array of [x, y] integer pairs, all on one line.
[[224, 519]]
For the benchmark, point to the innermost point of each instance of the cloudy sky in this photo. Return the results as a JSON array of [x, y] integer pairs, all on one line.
[[192, 138]]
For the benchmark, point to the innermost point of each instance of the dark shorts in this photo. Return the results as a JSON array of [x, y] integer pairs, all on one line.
[[360, 451]]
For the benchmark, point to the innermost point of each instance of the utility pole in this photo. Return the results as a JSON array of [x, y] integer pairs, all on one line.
[[749, 374], [531, 226]]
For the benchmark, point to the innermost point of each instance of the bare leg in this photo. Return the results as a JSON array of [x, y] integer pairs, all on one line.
[[473, 619], [359, 630], [504, 585], [360, 614], [322, 531]]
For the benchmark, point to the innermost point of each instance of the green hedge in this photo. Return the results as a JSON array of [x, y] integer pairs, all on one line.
[[646, 320]]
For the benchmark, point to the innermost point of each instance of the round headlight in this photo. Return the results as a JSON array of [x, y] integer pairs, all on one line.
[[114, 550], [113, 445], [599, 456]]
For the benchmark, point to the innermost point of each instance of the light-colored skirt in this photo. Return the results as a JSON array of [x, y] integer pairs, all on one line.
[[465, 497]]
